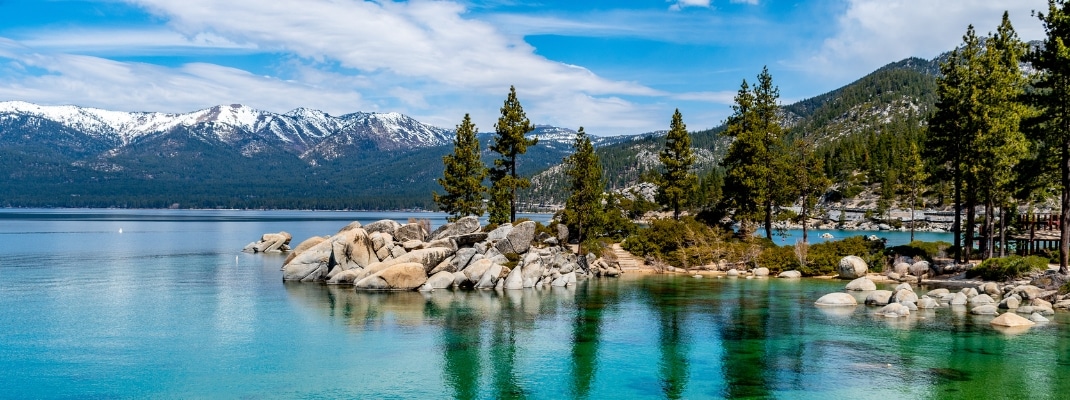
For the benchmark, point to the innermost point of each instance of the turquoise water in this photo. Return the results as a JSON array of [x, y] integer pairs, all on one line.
[[171, 309], [893, 238]]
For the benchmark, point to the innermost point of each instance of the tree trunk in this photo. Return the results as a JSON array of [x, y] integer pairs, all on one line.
[[769, 220], [957, 226], [1003, 231], [913, 201], [971, 211], [512, 198], [1064, 219], [804, 220], [987, 241]]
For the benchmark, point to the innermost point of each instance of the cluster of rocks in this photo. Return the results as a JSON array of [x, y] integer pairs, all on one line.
[[911, 272], [270, 243], [386, 255], [985, 298]]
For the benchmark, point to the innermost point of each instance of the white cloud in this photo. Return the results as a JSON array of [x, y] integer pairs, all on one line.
[[411, 54], [681, 4], [425, 59], [131, 41], [98, 82], [872, 33]]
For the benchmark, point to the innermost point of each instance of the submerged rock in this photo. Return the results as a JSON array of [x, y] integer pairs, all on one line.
[[403, 276], [879, 297], [861, 284], [793, 274], [1010, 319], [836, 299]]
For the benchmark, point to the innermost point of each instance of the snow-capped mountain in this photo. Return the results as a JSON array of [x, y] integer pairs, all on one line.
[[310, 134]]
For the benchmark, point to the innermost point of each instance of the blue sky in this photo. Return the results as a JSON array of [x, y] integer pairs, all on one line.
[[614, 67]]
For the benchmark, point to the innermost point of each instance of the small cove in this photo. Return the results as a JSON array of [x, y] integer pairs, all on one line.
[[171, 308]]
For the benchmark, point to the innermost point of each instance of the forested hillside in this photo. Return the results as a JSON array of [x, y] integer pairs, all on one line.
[[860, 130]]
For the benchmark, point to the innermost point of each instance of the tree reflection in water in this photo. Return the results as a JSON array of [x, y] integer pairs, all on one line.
[[679, 337]]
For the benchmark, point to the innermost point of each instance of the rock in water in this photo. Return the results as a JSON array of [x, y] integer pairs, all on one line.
[[981, 300], [894, 310], [960, 299], [879, 297], [515, 280], [404, 276], [310, 265], [1036, 317], [761, 271], [1011, 319], [307, 244], [928, 302], [852, 267], [861, 284], [987, 309], [790, 274], [441, 280], [836, 299]]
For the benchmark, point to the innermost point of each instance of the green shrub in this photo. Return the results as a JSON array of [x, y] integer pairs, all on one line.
[[596, 246], [779, 258], [513, 258], [1005, 268], [823, 258], [920, 249]]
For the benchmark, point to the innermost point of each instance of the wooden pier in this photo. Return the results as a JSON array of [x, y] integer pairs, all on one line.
[[1037, 232]]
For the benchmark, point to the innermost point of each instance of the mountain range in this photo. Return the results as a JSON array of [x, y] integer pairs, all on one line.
[[234, 156]]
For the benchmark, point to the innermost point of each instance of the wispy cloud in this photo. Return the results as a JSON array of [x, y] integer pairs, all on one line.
[[678, 5], [655, 25], [427, 59], [93, 81], [875, 32], [132, 41]]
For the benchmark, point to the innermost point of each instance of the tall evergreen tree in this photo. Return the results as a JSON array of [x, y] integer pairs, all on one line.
[[1052, 99], [509, 142], [583, 208], [913, 182], [463, 176], [952, 132], [755, 169], [676, 181], [808, 180], [1000, 143]]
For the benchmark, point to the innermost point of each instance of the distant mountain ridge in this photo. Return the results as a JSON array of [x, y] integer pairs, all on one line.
[[235, 156], [312, 135]]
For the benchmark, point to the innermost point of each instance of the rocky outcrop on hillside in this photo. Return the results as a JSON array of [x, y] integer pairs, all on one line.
[[385, 255]]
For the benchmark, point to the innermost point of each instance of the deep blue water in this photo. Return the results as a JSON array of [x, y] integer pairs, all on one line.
[[170, 308]]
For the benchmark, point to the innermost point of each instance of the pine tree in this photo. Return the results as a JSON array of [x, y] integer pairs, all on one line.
[[756, 170], [1000, 143], [952, 132], [677, 181], [912, 182], [808, 180], [1052, 99], [509, 142], [583, 209], [463, 176]]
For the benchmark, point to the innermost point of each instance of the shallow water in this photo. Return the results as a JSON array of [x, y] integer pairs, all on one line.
[[170, 308]]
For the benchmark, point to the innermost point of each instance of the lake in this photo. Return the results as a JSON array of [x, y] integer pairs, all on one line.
[[170, 308]]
